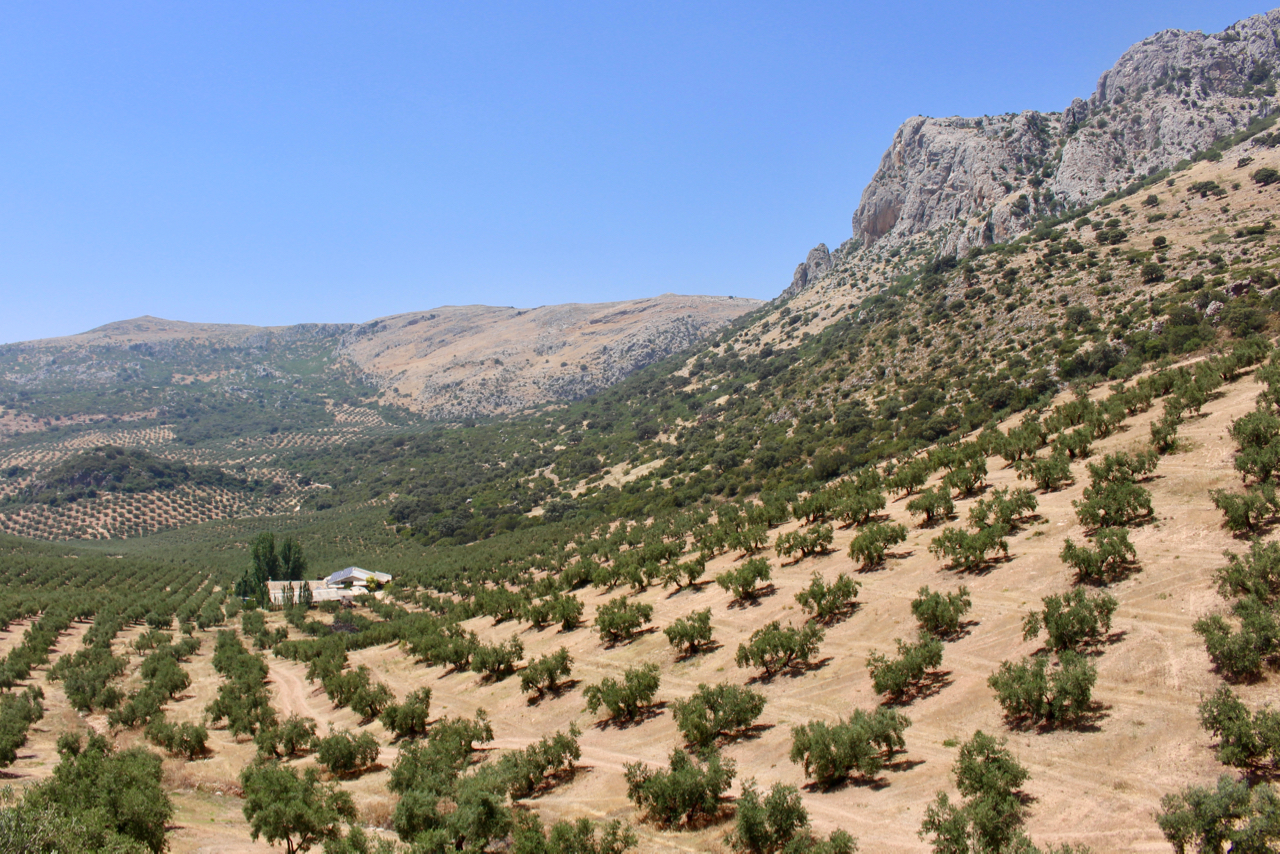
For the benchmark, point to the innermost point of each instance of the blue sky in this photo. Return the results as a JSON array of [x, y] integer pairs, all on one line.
[[275, 163]]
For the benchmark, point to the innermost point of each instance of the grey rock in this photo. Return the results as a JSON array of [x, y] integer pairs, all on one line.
[[1213, 309], [981, 180], [815, 264]]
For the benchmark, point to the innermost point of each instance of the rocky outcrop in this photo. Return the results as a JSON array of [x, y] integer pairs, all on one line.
[[981, 180], [809, 271]]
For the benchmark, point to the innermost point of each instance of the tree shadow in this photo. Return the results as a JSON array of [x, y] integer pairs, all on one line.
[[648, 713], [703, 649], [638, 633], [753, 601], [1114, 575], [839, 616], [554, 692], [791, 671], [749, 733], [694, 587], [928, 685], [929, 524], [558, 778]]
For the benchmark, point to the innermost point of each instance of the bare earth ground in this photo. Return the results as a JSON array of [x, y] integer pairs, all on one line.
[[1099, 786]]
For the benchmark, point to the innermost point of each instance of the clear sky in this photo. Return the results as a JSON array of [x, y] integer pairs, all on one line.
[[277, 162]]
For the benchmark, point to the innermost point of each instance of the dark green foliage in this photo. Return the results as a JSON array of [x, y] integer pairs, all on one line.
[[1255, 574], [712, 713], [532, 769], [745, 580], [1109, 559], [546, 673], [344, 753], [779, 823], [499, 660], [1247, 512], [910, 476], [1003, 507], [1073, 621], [1265, 176], [990, 817], [1031, 692], [128, 471], [283, 806], [804, 543], [688, 789], [580, 837], [940, 613], [775, 648], [408, 719], [109, 792], [902, 677], [872, 541], [860, 745], [970, 552], [933, 504], [1239, 655], [618, 620], [187, 740], [1244, 740], [828, 603], [18, 711], [626, 699], [1114, 498], [1231, 817], [967, 479], [291, 737], [691, 633]]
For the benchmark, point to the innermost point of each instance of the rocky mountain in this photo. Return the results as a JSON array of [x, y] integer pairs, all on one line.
[[462, 361], [976, 181]]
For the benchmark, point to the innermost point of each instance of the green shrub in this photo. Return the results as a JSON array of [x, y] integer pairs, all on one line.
[[872, 541], [1240, 654], [1256, 574], [970, 552], [939, 614], [933, 504], [1002, 507], [343, 753], [905, 675], [1232, 815], [910, 476], [827, 603], [546, 673], [187, 740], [830, 753], [1111, 556], [691, 633], [1112, 505], [498, 661], [1247, 512], [618, 620], [775, 648], [532, 769], [627, 699], [687, 790], [859, 506], [778, 822], [990, 817], [1030, 692], [1244, 740], [745, 580], [567, 837], [1048, 473], [291, 737], [815, 540], [717, 712], [967, 479], [1072, 620]]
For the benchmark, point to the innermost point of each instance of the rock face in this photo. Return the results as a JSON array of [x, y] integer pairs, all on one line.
[[815, 264], [463, 361], [981, 180]]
